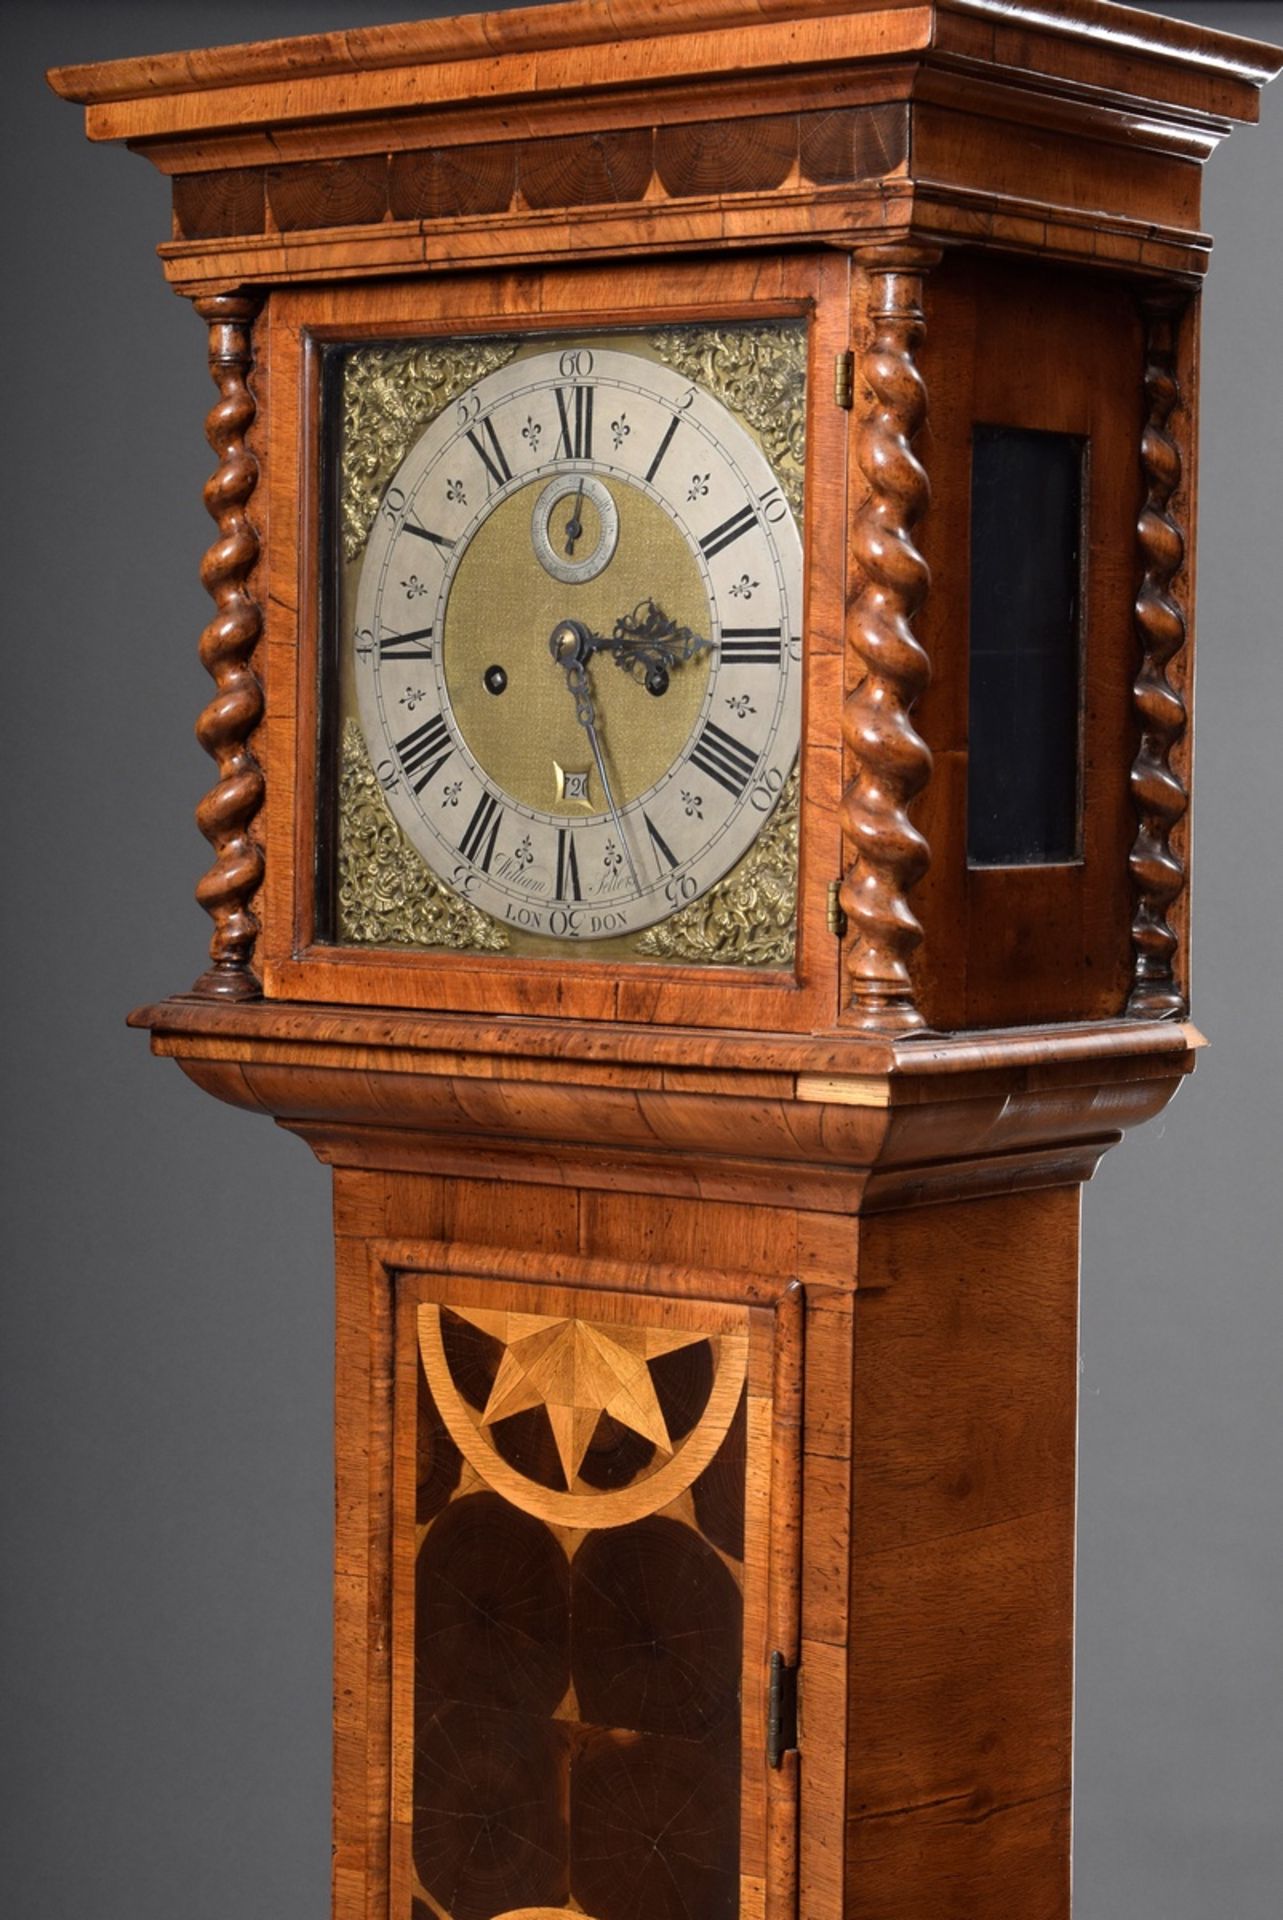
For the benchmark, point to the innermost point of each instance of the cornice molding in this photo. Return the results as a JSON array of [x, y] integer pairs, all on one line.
[[490, 36]]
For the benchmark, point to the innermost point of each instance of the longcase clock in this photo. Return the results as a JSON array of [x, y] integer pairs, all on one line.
[[702, 656]]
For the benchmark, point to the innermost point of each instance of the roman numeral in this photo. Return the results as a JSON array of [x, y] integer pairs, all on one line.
[[751, 646], [664, 445], [567, 866], [729, 531], [493, 459], [576, 423], [477, 844], [406, 646], [724, 759], [425, 751], [425, 533], [658, 841]]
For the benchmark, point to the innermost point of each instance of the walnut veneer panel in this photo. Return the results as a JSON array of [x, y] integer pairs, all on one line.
[[961, 1572], [1060, 351]]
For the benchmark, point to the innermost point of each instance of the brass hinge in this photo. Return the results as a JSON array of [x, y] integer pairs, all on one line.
[[836, 918], [781, 1710], [844, 380]]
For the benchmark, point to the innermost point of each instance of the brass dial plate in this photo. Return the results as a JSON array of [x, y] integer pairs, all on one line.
[[597, 800]]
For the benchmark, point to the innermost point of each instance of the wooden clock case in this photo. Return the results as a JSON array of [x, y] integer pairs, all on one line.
[[866, 1170]]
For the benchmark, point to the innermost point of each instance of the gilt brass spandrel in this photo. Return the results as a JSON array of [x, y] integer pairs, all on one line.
[[387, 895], [758, 372], [390, 394], [749, 919]]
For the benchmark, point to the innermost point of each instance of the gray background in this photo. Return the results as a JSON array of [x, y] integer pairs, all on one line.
[[165, 1403]]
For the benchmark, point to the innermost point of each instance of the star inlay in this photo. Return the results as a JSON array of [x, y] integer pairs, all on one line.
[[577, 1370]]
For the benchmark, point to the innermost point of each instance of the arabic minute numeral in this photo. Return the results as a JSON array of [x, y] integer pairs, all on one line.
[[767, 790]]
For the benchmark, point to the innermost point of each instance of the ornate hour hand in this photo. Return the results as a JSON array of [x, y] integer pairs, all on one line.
[[575, 526], [647, 645], [571, 645]]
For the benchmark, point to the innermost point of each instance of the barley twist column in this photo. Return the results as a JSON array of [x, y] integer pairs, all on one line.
[[1158, 792], [226, 814], [892, 764]]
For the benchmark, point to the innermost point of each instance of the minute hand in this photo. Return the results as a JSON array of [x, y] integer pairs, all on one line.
[[567, 647], [595, 744]]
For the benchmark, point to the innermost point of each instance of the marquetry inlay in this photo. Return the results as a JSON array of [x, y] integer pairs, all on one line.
[[577, 1370], [578, 1373]]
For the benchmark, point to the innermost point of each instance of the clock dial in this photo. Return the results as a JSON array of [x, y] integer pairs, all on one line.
[[577, 642]]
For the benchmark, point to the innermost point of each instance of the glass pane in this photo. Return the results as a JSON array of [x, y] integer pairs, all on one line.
[[1026, 595]]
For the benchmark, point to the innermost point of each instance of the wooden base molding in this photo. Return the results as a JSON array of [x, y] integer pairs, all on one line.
[[935, 1123]]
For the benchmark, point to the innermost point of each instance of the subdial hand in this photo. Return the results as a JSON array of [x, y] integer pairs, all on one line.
[[570, 646], [575, 526]]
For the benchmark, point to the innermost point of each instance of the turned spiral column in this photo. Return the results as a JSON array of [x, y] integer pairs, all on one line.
[[892, 763], [1158, 792], [226, 814]]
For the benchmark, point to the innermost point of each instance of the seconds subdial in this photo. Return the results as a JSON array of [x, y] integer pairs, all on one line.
[[575, 528]]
